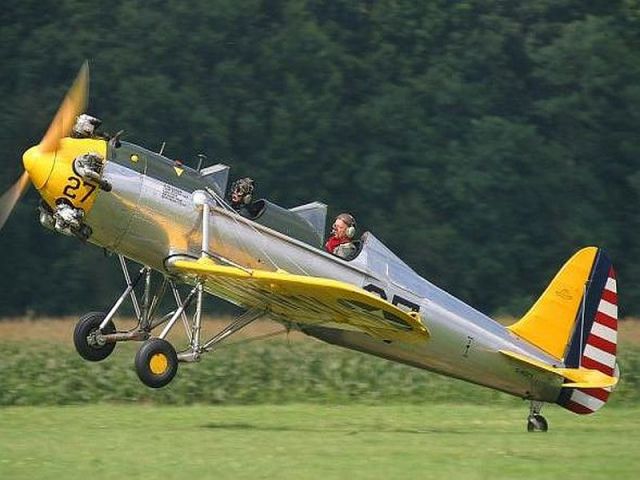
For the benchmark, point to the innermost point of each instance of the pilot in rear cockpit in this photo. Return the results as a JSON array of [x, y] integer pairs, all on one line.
[[340, 242], [241, 195]]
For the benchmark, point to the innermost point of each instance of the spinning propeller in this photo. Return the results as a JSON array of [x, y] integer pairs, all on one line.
[[38, 161]]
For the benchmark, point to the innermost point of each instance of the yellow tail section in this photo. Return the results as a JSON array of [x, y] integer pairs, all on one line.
[[578, 377], [550, 321]]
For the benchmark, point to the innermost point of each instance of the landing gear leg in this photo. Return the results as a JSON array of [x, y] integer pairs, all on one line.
[[157, 362], [536, 422], [95, 334]]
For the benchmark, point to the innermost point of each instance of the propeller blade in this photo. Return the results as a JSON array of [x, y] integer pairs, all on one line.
[[74, 103], [10, 197]]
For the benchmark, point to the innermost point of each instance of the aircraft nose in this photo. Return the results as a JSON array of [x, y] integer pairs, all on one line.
[[39, 165]]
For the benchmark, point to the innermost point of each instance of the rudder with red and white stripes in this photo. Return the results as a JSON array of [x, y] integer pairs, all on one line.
[[595, 337]]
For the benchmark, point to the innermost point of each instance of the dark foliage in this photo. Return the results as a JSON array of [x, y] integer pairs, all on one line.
[[483, 141]]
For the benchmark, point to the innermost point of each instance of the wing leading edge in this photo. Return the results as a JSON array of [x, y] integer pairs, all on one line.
[[307, 300]]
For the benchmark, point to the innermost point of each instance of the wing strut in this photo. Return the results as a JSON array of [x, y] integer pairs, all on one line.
[[242, 321]]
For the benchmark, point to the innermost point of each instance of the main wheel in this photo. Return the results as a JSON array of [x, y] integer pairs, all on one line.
[[537, 423], [156, 363], [86, 340]]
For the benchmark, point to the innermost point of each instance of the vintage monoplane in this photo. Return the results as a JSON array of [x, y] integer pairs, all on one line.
[[173, 219]]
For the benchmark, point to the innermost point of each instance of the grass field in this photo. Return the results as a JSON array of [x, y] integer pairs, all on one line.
[[288, 409], [313, 441]]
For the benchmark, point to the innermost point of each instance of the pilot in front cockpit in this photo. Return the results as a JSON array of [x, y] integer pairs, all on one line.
[[340, 242], [241, 195]]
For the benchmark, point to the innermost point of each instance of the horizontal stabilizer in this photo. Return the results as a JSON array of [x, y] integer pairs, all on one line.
[[578, 377]]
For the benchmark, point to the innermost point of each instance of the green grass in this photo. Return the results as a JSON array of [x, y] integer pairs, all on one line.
[[272, 372], [339, 414], [314, 441]]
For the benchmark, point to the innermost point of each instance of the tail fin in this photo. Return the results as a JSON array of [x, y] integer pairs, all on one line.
[[576, 320], [594, 341]]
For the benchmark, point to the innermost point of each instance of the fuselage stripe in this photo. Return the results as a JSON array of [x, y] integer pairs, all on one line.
[[611, 285], [577, 408], [606, 320], [609, 296], [586, 400], [599, 393], [604, 332], [601, 343], [599, 355], [608, 309], [595, 365]]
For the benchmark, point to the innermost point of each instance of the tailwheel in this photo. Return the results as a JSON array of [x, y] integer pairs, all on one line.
[[88, 339], [537, 423], [156, 363]]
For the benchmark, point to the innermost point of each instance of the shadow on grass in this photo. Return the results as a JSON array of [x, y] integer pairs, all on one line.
[[345, 430]]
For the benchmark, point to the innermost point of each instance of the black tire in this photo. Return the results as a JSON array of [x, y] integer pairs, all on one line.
[[88, 324], [537, 423], [543, 426], [156, 363]]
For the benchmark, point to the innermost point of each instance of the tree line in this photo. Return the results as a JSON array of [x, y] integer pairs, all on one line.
[[484, 141]]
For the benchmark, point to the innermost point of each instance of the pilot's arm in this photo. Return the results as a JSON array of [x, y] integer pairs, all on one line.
[[345, 250]]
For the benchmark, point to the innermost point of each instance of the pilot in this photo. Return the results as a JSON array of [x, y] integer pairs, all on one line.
[[241, 196], [340, 242]]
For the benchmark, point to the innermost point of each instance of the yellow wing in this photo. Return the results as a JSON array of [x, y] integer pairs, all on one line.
[[308, 300]]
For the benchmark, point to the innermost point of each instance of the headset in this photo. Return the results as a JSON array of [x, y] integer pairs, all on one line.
[[351, 224]]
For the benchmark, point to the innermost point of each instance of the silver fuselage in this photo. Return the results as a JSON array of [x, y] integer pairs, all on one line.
[[150, 217]]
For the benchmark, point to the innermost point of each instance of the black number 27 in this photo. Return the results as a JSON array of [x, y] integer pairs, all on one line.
[[73, 185]]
